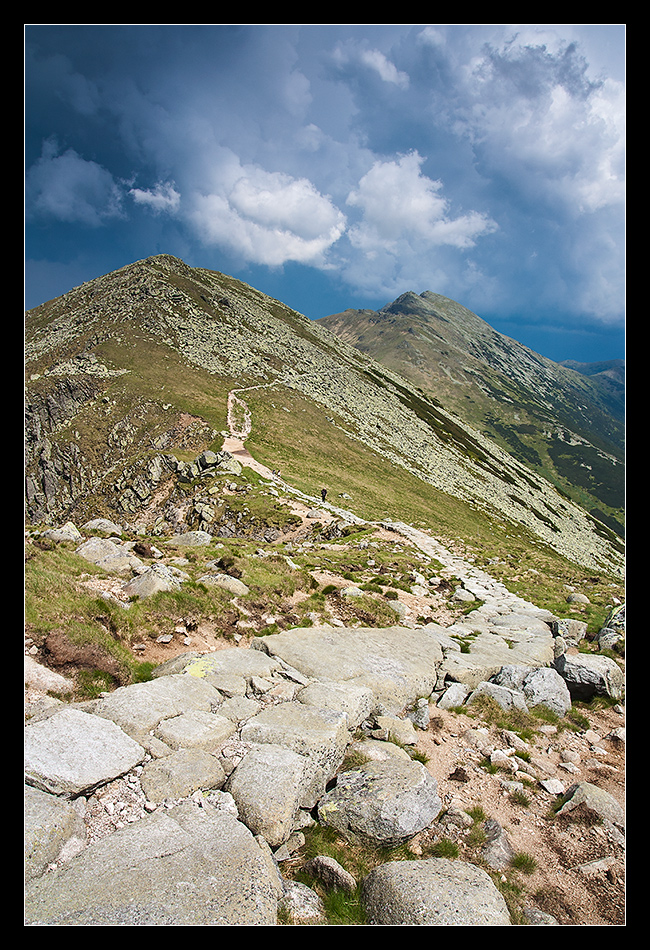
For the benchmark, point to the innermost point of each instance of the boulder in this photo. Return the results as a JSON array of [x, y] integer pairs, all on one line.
[[588, 674], [72, 752], [542, 686], [330, 872], [384, 802], [301, 905], [156, 578], [397, 664], [506, 698], [357, 702], [180, 774], [433, 892], [591, 798], [197, 729], [226, 582], [67, 532], [184, 866], [545, 687], [267, 787], [319, 734], [137, 709], [52, 828]]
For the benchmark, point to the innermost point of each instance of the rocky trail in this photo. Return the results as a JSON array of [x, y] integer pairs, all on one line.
[[190, 799]]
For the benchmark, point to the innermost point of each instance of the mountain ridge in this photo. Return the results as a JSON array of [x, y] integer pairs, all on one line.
[[567, 425], [139, 363]]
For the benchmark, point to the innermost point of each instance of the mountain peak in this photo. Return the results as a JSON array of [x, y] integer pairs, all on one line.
[[139, 364]]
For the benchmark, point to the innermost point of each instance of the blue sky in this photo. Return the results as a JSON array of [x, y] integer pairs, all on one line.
[[340, 165]]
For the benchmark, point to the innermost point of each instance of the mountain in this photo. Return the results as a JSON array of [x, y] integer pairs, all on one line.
[[564, 421], [128, 376]]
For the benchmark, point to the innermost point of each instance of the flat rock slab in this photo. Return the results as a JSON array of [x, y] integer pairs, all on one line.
[[137, 709], [72, 752], [319, 734], [490, 651], [180, 774], [397, 664], [185, 866], [229, 671], [433, 892]]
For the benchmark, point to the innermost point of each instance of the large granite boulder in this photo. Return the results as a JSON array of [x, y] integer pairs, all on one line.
[[186, 866], [382, 802], [433, 892]]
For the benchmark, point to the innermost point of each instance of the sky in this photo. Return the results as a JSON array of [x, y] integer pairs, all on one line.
[[340, 165]]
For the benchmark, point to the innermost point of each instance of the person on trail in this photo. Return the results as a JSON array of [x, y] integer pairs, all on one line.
[[323, 493]]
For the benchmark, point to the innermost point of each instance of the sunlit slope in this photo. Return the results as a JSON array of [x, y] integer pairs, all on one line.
[[139, 363]]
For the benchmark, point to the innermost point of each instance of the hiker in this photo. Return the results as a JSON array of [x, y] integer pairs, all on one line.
[[323, 493]]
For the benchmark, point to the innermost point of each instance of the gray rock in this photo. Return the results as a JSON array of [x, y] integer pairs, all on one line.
[[191, 539], [52, 828], [492, 650], [230, 671], [433, 892], [497, 851], [267, 787], [103, 525], [180, 774], [72, 752], [454, 695], [357, 702], [158, 577], [545, 687], [589, 674], [48, 681], [400, 731], [99, 549], [330, 872], [383, 802], [396, 663], [577, 598], [232, 584], [197, 729], [67, 532], [137, 709], [377, 750], [506, 698], [186, 866], [572, 631], [301, 905], [596, 800], [319, 734]]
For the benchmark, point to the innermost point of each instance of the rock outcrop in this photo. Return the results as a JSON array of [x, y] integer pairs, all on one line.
[[230, 754]]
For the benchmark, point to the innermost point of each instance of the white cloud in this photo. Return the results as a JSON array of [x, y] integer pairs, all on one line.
[[266, 217], [162, 197], [399, 204], [352, 55], [536, 117]]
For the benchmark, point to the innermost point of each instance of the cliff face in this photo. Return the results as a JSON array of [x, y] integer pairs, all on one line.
[[134, 368]]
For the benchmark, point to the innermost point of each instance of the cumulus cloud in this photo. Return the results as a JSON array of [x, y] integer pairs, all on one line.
[[69, 188], [162, 197], [534, 114], [266, 217], [398, 203]]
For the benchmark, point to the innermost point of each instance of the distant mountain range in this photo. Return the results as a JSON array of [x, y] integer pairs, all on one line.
[[563, 420], [419, 409]]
